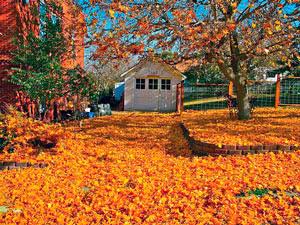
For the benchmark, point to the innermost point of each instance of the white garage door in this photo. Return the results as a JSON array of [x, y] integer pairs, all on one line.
[[153, 95]]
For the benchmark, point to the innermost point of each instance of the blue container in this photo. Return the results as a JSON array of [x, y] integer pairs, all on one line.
[[85, 115], [91, 114], [119, 89]]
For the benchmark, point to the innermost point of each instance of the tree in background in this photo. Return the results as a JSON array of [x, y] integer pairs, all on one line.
[[260, 68], [168, 56], [208, 73], [289, 67], [290, 64], [38, 60], [198, 73], [228, 32], [107, 74]]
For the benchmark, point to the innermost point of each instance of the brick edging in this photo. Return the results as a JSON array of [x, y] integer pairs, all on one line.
[[204, 149], [20, 165]]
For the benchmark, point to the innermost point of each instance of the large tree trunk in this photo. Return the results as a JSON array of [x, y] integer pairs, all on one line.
[[240, 82], [242, 99]]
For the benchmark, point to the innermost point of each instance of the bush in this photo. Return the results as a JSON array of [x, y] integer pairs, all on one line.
[[19, 134]]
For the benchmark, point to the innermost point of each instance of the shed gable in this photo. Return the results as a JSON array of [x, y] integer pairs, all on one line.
[[153, 68]]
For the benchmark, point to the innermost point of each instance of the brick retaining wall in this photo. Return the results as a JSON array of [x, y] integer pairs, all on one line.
[[204, 149], [18, 165]]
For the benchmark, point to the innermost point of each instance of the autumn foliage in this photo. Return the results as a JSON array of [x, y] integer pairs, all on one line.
[[115, 170], [231, 34], [27, 137]]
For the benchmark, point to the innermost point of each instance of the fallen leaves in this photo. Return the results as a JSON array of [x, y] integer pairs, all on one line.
[[179, 146], [115, 170], [268, 126]]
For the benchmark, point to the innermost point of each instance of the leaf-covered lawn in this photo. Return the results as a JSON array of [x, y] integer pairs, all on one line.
[[267, 126], [115, 170]]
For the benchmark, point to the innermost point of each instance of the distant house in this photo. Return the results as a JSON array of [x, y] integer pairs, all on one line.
[[151, 86]]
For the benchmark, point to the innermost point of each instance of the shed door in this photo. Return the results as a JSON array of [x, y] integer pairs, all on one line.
[[165, 99], [140, 94], [146, 94], [153, 95]]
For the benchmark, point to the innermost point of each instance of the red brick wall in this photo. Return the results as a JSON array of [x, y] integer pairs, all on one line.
[[8, 24], [7, 89], [74, 28], [81, 31]]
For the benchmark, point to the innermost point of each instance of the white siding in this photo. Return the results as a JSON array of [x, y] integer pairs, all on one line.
[[129, 93]]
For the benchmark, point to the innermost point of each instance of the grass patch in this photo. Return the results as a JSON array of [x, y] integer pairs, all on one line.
[[257, 192]]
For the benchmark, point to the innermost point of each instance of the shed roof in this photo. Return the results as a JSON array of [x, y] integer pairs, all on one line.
[[138, 66]]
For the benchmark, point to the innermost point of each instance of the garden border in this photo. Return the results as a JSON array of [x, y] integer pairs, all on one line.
[[20, 165], [207, 149]]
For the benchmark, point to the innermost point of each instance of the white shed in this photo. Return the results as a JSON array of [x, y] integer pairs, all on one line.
[[151, 86]]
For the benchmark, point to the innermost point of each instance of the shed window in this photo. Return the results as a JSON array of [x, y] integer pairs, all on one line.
[[166, 84], [153, 83], [140, 84]]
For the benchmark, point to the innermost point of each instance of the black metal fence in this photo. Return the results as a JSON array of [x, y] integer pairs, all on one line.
[[263, 94], [290, 91], [205, 96]]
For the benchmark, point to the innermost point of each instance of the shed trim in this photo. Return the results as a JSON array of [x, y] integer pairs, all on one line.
[[173, 70]]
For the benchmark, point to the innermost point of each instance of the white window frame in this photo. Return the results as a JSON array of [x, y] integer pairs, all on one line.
[[139, 85], [153, 84], [165, 86]]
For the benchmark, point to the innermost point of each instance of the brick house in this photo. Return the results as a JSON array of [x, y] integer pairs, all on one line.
[[13, 17]]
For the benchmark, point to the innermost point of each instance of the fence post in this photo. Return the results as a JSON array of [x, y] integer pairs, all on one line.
[[182, 97], [177, 97], [230, 90], [277, 94]]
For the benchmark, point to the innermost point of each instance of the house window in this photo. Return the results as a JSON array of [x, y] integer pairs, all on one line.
[[73, 44], [140, 84], [25, 2], [42, 19], [153, 84], [165, 84], [54, 19]]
